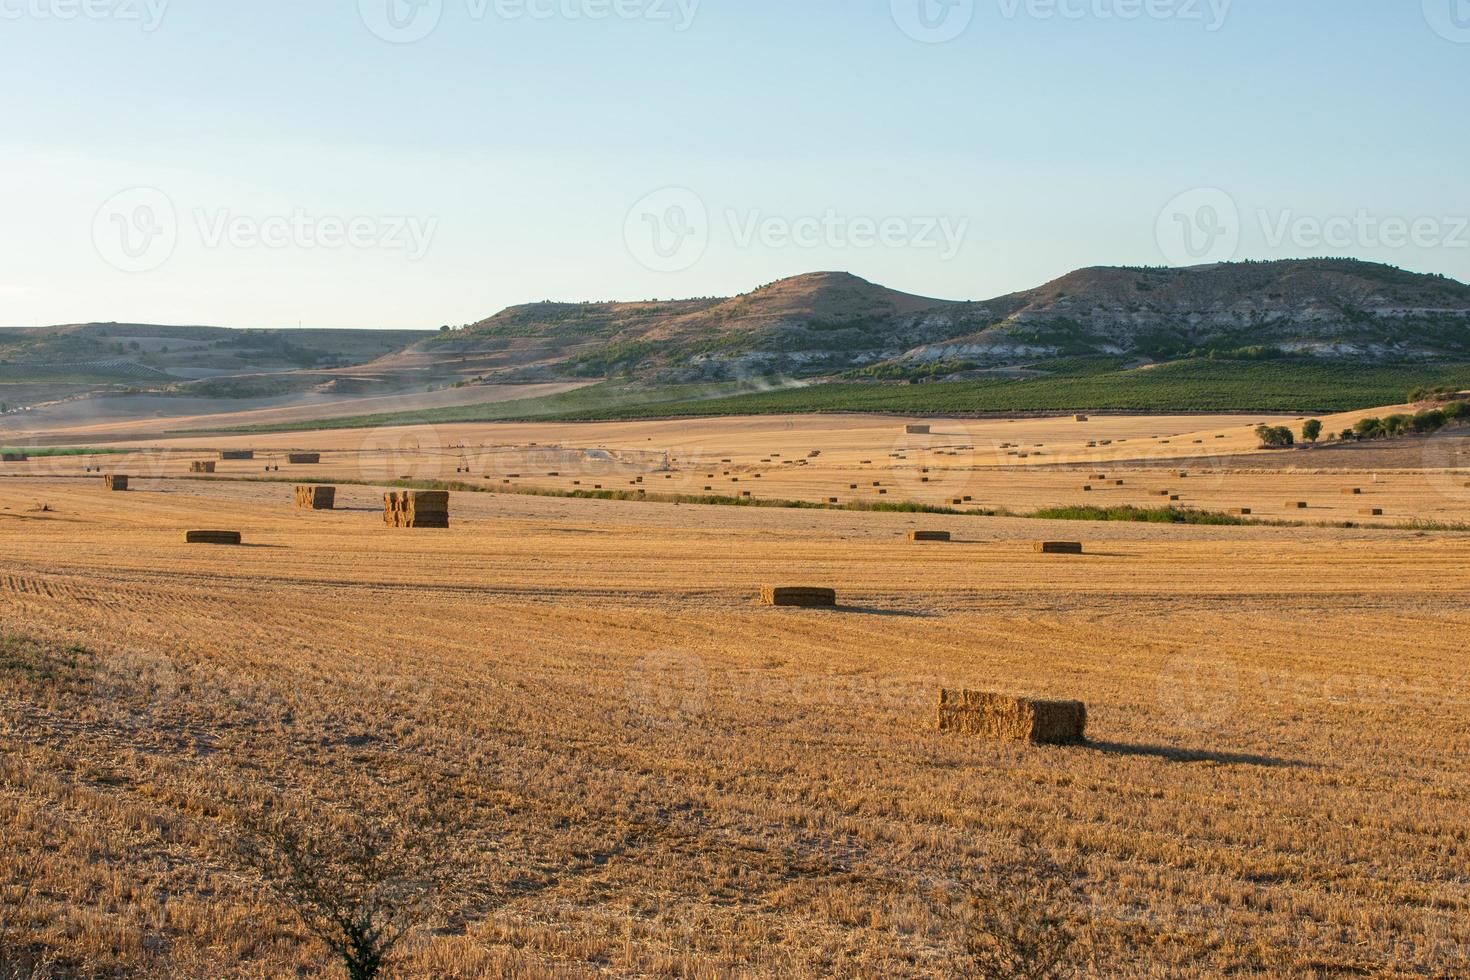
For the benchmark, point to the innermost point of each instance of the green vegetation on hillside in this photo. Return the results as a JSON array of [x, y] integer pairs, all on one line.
[[1309, 387], [50, 451]]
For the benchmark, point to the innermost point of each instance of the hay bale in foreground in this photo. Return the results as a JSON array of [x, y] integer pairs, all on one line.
[[917, 430], [202, 466], [929, 536], [237, 454], [416, 508], [300, 459], [212, 537], [316, 498], [1000, 716], [115, 481], [1059, 547], [799, 596]]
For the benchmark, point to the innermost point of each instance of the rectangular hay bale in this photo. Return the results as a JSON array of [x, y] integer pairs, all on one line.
[[1013, 719], [416, 508], [1058, 547], [212, 537], [799, 596], [115, 481], [202, 466], [929, 536], [316, 498], [237, 454]]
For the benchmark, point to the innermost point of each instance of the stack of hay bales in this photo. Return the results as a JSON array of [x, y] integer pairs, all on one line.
[[298, 459], [803, 597], [1058, 547], [228, 454], [202, 466], [929, 536], [212, 537], [998, 716], [115, 481], [316, 498], [416, 508], [917, 430], [1080, 418]]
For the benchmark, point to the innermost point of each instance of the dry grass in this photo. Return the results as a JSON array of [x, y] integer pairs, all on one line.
[[659, 777]]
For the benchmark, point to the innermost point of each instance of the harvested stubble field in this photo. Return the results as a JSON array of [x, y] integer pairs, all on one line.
[[770, 459], [657, 776]]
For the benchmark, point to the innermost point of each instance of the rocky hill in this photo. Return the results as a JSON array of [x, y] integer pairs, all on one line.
[[831, 322]]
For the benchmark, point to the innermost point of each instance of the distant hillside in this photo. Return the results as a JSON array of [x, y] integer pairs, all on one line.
[[831, 323], [131, 351]]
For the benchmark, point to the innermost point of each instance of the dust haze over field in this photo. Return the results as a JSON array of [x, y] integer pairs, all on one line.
[[649, 774]]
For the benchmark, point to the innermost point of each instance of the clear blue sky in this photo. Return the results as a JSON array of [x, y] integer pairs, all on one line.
[[519, 142]]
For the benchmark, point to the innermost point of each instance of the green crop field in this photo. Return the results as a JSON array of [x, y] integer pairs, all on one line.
[[1182, 386]]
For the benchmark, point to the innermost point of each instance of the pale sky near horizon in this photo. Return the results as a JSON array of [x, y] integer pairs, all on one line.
[[411, 163]]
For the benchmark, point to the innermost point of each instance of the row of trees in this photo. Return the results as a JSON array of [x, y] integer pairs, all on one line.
[[1420, 423], [1425, 422]]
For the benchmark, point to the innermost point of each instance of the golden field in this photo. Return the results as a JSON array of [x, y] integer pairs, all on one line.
[[657, 777], [862, 460]]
